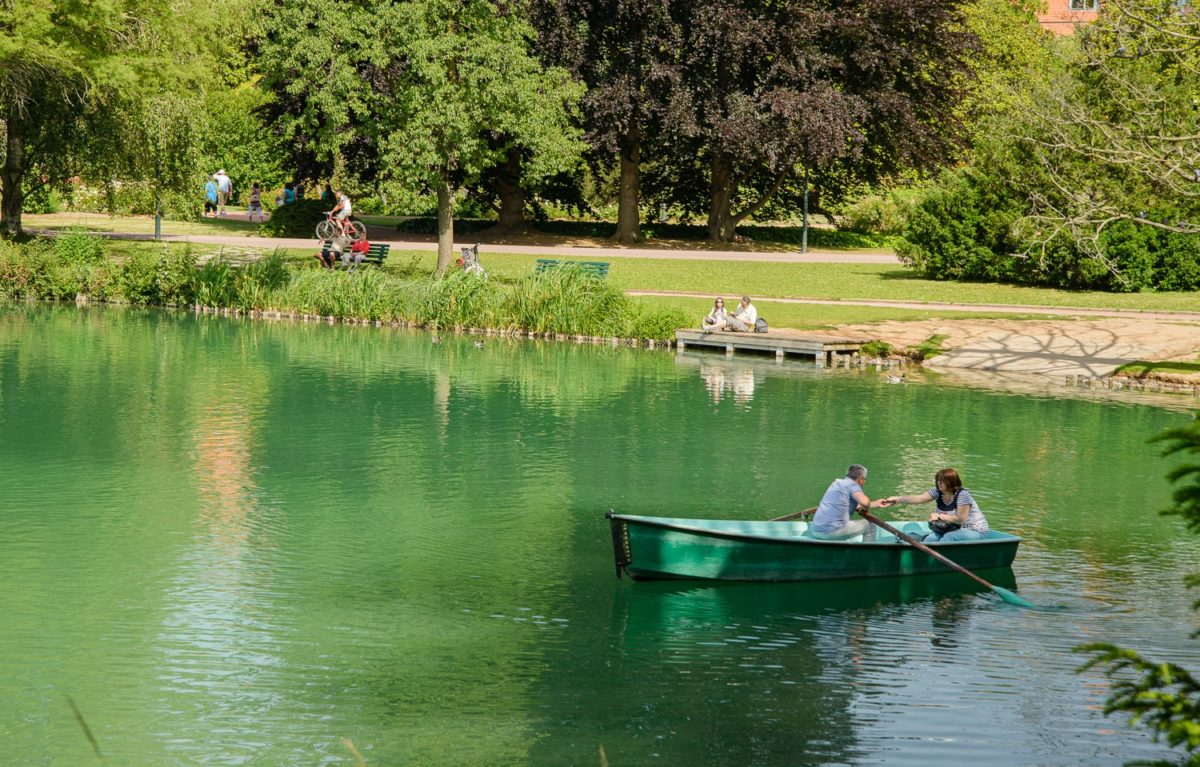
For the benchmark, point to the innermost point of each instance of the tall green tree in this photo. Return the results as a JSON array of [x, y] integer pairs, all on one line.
[[1114, 141], [72, 74], [1163, 696], [439, 96]]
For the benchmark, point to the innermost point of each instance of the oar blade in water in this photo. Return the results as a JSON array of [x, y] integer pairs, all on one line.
[[1012, 598]]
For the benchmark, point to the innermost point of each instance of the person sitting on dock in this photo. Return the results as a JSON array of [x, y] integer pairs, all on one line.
[[957, 515], [833, 522], [716, 319], [743, 317]]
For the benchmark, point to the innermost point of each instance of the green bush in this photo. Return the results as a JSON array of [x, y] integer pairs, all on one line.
[[1179, 262], [175, 277], [659, 324], [299, 219], [1133, 251], [134, 198], [961, 229], [883, 212], [75, 247], [876, 349]]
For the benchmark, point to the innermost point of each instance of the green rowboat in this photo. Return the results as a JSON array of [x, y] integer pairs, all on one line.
[[654, 548]]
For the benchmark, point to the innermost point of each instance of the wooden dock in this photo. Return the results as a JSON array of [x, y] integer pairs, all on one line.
[[826, 350]]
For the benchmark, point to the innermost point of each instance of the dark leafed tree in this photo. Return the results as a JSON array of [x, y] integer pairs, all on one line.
[[626, 52], [778, 88]]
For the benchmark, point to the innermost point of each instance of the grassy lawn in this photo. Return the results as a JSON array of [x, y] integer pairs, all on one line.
[[841, 281], [98, 222], [825, 316]]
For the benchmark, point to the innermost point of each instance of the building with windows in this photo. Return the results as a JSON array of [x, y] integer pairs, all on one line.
[[1062, 16]]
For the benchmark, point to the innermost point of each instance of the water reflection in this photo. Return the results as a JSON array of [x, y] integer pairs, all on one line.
[[719, 380], [237, 542]]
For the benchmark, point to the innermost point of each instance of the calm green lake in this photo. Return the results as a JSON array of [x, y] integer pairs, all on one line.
[[237, 542]]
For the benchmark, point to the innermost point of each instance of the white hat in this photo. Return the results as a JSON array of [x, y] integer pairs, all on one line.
[[221, 172]]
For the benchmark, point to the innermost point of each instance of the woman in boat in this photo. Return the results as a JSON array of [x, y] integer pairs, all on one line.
[[717, 318], [955, 506]]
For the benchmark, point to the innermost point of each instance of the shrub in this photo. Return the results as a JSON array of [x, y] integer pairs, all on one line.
[[1133, 251], [1179, 262], [139, 279], [299, 219], [659, 324], [133, 198], [174, 277], [883, 212], [961, 229], [76, 247], [876, 349]]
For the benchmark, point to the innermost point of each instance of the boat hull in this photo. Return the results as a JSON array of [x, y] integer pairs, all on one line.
[[656, 548]]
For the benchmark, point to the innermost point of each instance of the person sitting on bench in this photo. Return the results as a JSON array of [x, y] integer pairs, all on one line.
[[328, 255]]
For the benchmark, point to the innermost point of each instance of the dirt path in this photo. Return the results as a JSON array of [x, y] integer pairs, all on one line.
[[582, 249]]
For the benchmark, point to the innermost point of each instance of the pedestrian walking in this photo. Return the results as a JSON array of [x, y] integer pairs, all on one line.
[[224, 190]]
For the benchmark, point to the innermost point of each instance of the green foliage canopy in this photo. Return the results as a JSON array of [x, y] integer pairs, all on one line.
[[432, 101]]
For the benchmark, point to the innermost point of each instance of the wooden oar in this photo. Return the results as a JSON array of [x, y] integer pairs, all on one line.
[[794, 515], [1005, 594]]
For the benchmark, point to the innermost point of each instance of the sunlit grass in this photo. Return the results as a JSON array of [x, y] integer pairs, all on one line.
[[99, 222], [824, 316]]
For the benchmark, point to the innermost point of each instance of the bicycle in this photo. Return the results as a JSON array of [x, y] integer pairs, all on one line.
[[469, 261], [331, 227]]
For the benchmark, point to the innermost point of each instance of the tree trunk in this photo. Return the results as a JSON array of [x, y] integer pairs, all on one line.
[[512, 196], [11, 196], [445, 225], [628, 218], [721, 223]]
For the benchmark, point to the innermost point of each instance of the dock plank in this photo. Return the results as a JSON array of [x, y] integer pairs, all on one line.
[[822, 347]]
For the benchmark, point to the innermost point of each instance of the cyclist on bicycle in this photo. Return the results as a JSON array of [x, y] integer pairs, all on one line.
[[342, 211]]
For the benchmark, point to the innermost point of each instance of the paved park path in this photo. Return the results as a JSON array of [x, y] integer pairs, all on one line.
[[581, 251]]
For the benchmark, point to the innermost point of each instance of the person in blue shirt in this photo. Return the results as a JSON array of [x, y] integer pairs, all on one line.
[[210, 197], [289, 194], [955, 506], [833, 521]]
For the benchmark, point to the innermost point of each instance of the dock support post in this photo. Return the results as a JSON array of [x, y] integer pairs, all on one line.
[[779, 355], [728, 350]]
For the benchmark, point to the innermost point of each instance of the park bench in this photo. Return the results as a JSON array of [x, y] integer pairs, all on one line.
[[597, 269], [376, 254]]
